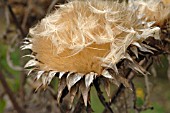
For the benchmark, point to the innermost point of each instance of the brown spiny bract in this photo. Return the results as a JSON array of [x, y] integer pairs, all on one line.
[[87, 39]]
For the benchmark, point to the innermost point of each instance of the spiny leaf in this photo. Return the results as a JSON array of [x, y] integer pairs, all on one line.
[[107, 87], [148, 47], [89, 79], [142, 48], [31, 56], [106, 74], [135, 51], [73, 78], [73, 92], [125, 82], [61, 74], [30, 71], [24, 47], [39, 74], [84, 91], [136, 67], [61, 86], [127, 56], [31, 63], [51, 76]]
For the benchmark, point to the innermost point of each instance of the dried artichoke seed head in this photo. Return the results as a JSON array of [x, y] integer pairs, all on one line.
[[86, 39]]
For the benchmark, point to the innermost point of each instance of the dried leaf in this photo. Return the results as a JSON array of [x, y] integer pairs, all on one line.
[[151, 32], [30, 71], [84, 91], [26, 42], [73, 78], [148, 47], [156, 34], [107, 87], [38, 88], [61, 74], [89, 79], [114, 67], [106, 74], [24, 47], [31, 63], [28, 39], [32, 56], [61, 86], [73, 92], [51, 76], [142, 48], [136, 67], [114, 81], [135, 51], [39, 74], [44, 80], [127, 56], [136, 44], [124, 81]]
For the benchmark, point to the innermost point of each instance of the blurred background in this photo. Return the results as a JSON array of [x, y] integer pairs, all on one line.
[[17, 91]]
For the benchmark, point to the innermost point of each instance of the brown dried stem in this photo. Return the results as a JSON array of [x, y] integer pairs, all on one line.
[[51, 6], [10, 94], [23, 34], [15, 18], [101, 97], [79, 106]]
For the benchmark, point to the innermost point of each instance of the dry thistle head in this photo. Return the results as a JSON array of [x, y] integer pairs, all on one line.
[[83, 40]]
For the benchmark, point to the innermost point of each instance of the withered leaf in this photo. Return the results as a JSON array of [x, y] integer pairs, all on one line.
[[73, 92], [30, 71], [135, 51], [114, 67], [124, 81], [106, 74], [107, 87], [142, 48], [148, 47], [39, 74], [127, 56], [73, 78], [61, 86], [84, 91], [136, 67], [24, 47], [89, 79], [61, 74], [51, 76], [31, 63]]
